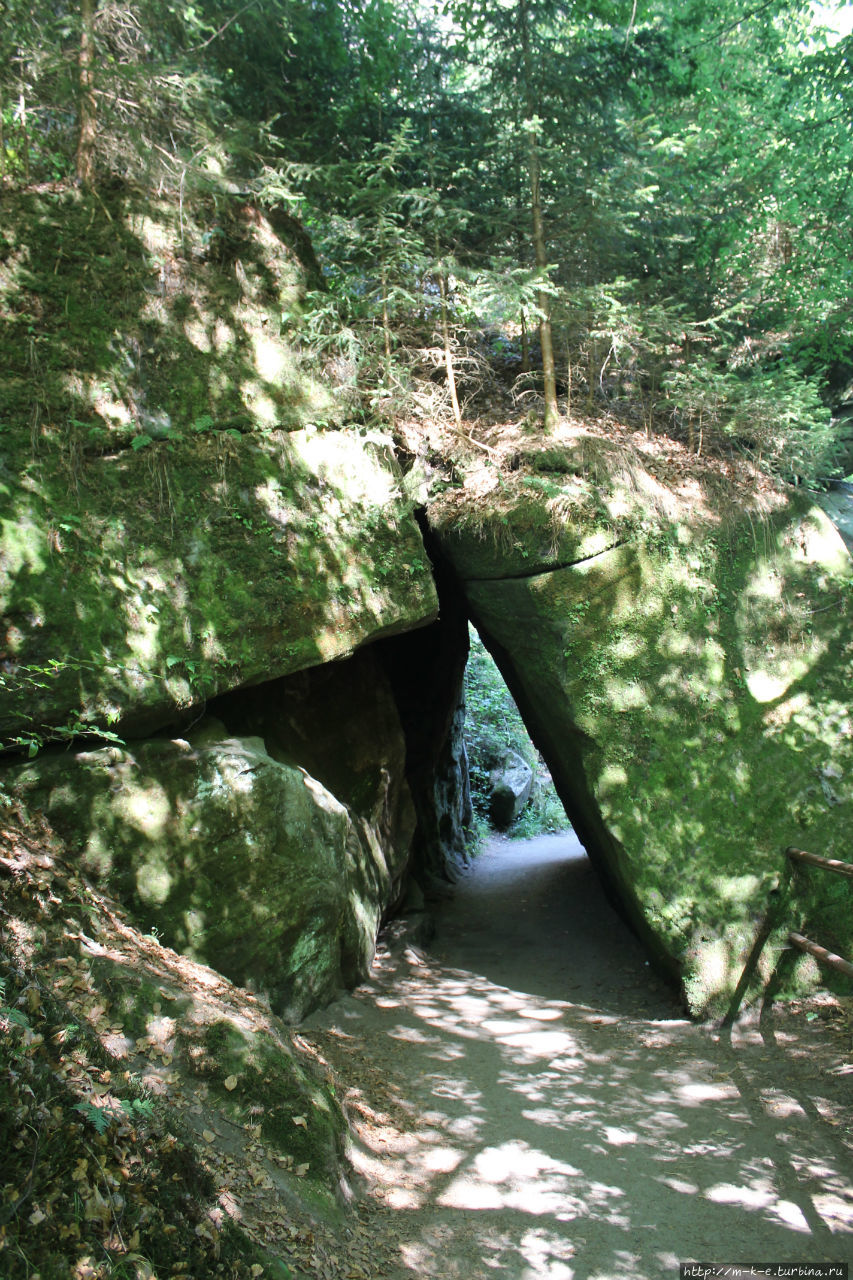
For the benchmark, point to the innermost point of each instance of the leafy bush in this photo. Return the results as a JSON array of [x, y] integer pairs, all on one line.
[[775, 415]]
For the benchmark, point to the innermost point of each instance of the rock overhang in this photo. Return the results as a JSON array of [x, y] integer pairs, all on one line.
[[299, 553]]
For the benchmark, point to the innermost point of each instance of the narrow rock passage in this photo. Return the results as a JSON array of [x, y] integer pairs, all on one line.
[[531, 1105]]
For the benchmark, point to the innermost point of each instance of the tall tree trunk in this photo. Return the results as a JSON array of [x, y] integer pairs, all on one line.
[[448, 353], [2, 138], [518, 169], [383, 284], [386, 316], [540, 252], [568, 381], [543, 302], [25, 131], [87, 119], [442, 275]]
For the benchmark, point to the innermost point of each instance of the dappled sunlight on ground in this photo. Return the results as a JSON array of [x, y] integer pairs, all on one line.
[[549, 1128]]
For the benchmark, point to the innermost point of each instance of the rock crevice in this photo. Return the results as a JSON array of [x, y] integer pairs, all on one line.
[[543, 570]]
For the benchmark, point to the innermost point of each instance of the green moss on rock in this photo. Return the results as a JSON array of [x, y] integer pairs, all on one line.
[[178, 518], [244, 863], [689, 689]]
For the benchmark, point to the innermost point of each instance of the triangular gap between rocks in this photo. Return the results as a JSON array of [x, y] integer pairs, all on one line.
[[557, 869], [512, 791], [540, 892]]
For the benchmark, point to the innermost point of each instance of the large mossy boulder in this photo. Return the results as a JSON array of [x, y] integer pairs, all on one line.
[[240, 861], [183, 507], [340, 724], [682, 653], [178, 573]]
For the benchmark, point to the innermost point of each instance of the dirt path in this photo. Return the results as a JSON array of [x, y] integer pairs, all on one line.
[[531, 1105]]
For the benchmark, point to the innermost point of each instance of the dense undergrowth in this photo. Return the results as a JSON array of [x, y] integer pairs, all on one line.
[[97, 1180]]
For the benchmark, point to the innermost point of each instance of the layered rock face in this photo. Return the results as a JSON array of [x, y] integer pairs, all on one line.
[[685, 671], [178, 516], [425, 670], [272, 556]]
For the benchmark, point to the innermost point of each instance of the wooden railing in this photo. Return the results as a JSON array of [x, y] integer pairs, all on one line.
[[815, 860], [797, 940], [774, 916]]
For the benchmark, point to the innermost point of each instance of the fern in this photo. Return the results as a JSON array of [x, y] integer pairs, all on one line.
[[138, 1108]]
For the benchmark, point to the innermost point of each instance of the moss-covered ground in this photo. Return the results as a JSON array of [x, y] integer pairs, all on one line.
[[156, 1121]]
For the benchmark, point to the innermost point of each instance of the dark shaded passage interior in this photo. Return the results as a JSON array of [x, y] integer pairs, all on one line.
[[537, 915], [532, 915]]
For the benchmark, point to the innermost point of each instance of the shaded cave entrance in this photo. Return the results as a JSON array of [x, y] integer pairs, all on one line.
[[395, 709], [535, 913]]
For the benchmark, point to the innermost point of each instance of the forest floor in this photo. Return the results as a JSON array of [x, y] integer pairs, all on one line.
[[529, 1103]]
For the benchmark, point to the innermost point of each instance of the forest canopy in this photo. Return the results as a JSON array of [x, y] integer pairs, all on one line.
[[629, 204]]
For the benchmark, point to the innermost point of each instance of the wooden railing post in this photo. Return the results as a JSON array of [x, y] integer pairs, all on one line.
[[806, 945], [776, 909]]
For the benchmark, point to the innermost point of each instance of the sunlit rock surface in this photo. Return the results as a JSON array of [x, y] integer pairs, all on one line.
[[283, 554], [184, 506], [684, 662], [838, 505]]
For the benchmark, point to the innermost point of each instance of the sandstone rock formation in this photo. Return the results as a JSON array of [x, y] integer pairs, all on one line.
[[242, 863], [685, 671], [253, 560], [178, 517], [271, 858], [191, 529]]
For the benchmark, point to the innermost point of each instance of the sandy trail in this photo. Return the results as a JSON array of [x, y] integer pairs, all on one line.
[[532, 1105]]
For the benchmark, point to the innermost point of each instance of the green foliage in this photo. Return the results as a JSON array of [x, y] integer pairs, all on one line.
[[492, 720], [773, 414], [40, 677], [543, 812], [97, 1117], [692, 169], [493, 725]]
